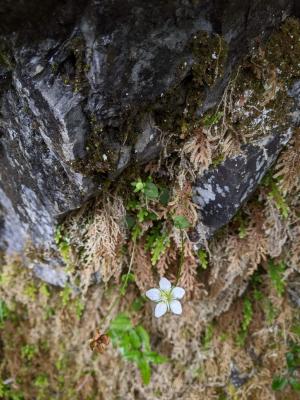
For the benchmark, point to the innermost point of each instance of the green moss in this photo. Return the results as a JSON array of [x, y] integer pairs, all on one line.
[[283, 49], [210, 54], [5, 57]]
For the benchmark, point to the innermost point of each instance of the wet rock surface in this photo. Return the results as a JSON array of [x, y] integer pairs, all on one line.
[[77, 84]]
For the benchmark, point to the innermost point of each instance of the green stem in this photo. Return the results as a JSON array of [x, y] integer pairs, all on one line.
[[181, 259], [121, 293]]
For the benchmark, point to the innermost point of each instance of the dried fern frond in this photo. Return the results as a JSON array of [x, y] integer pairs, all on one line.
[[199, 150], [287, 167], [275, 228], [104, 238], [188, 278], [142, 268], [182, 203], [96, 237]]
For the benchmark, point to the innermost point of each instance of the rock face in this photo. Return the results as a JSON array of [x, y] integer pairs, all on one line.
[[220, 192], [77, 82]]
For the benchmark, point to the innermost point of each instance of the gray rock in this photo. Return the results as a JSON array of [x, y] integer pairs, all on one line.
[[51, 274], [76, 78], [221, 191]]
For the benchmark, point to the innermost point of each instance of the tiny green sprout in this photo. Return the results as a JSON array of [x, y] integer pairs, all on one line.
[[276, 274], [138, 185], [44, 290], [63, 244], [31, 291], [180, 222], [79, 308], [208, 336], [4, 312], [41, 381], [212, 119], [203, 258], [29, 351], [247, 318], [65, 295], [148, 188]]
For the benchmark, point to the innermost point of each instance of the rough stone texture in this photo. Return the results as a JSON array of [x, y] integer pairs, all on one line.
[[86, 70], [221, 191]]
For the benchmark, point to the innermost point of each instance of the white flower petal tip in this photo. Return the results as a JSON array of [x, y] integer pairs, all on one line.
[[160, 309], [153, 294], [164, 284], [178, 292], [175, 307]]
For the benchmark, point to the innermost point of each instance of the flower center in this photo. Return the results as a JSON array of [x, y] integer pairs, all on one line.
[[166, 296]]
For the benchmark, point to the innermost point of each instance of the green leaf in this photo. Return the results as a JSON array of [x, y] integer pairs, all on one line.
[[295, 384], [135, 339], [151, 191], [144, 336], [138, 304], [132, 355], [130, 221], [279, 383], [155, 358], [145, 370], [180, 222], [164, 197], [121, 323]]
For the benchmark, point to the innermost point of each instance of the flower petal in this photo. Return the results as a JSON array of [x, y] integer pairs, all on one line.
[[178, 292], [176, 307], [153, 294], [164, 284], [160, 309]]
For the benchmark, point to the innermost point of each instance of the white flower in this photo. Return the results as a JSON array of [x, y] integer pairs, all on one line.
[[166, 298]]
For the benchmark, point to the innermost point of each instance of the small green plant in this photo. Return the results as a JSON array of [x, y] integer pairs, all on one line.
[[276, 274], [208, 336], [133, 343], [7, 393], [28, 352], [157, 243], [79, 307], [44, 290], [42, 383], [212, 119], [274, 192], [31, 291], [247, 318], [180, 222], [4, 313], [148, 188], [203, 258], [125, 280], [63, 244], [141, 209], [290, 376], [65, 295]]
